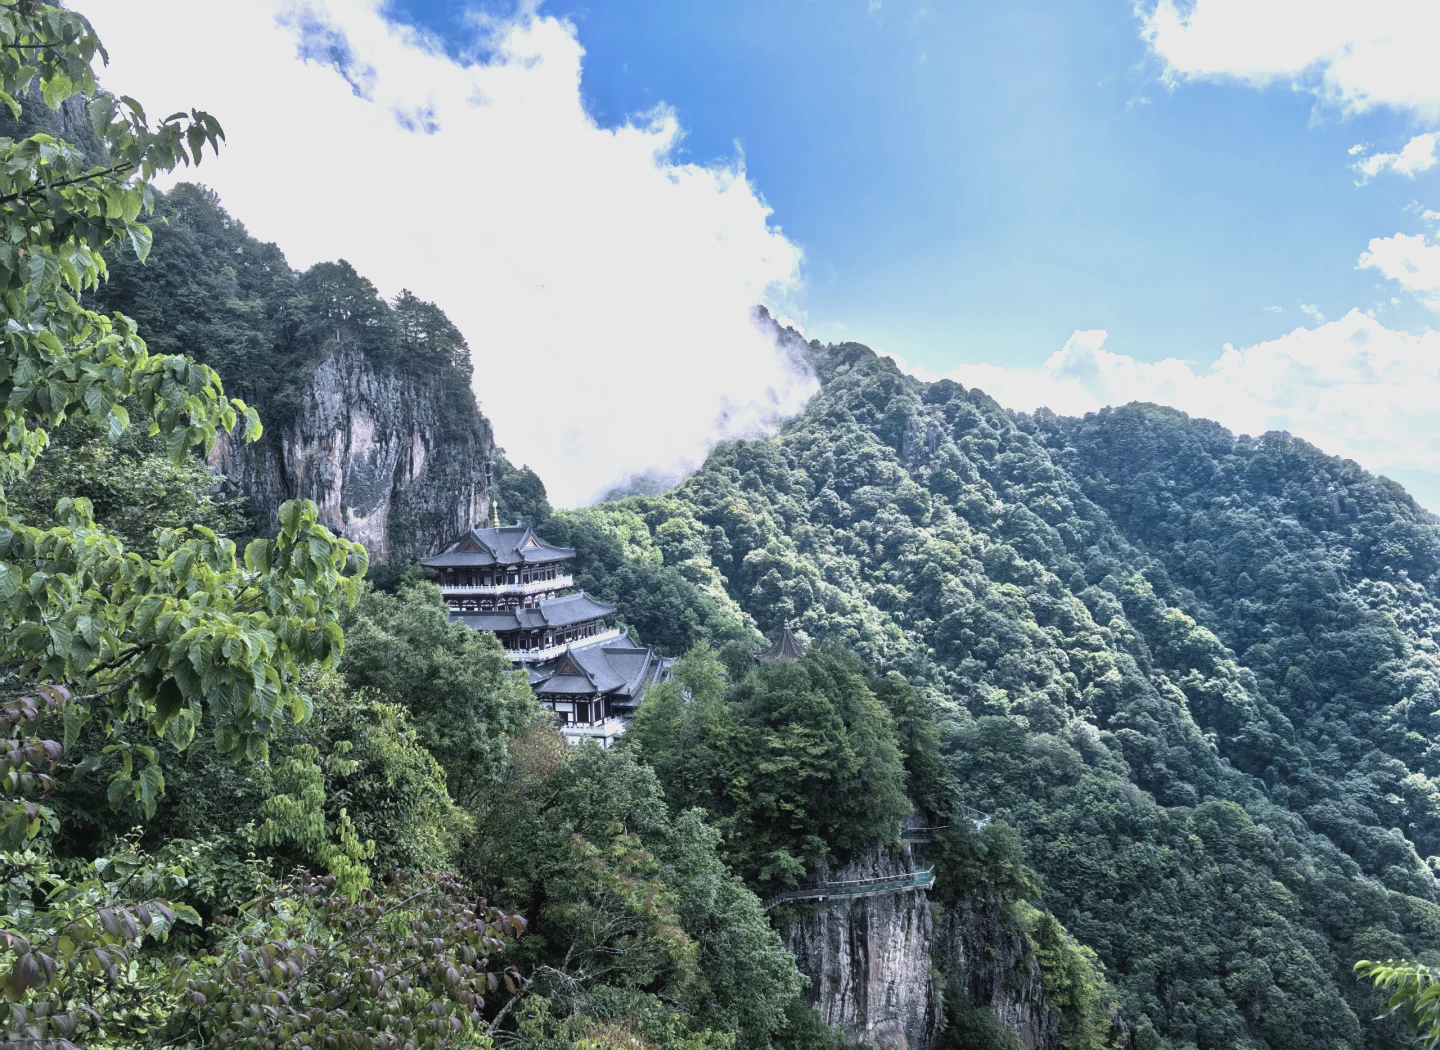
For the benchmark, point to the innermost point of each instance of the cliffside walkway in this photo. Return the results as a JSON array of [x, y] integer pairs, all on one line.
[[911, 880], [927, 834]]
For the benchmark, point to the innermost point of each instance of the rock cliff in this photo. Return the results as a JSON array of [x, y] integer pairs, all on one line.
[[400, 462], [874, 961]]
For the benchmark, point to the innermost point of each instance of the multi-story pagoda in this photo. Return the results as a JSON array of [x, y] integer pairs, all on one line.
[[509, 581], [499, 568]]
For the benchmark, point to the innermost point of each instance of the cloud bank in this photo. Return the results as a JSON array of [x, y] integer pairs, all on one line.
[[1353, 387], [1418, 155], [1409, 259], [605, 288], [1355, 55]]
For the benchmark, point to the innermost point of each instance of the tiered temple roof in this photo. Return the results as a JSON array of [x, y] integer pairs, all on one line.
[[619, 670], [506, 580], [594, 689], [506, 545], [565, 611]]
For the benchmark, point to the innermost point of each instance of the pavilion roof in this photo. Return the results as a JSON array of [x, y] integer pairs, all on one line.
[[507, 545], [786, 647], [619, 668]]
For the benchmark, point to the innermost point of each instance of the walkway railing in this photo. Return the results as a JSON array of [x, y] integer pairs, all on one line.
[[606, 732], [911, 880], [927, 834]]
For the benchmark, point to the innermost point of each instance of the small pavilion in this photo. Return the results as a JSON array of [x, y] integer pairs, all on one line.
[[787, 647]]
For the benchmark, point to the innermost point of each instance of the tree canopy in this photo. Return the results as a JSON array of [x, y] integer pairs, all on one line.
[[1188, 668]]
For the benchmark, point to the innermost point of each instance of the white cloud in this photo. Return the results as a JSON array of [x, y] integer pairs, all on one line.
[[1355, 55], [604, 287], [1311, 310], [1417, 156], [1411, 260], [1353, 387]]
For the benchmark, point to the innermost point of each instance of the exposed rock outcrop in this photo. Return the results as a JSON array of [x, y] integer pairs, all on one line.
[[399, 462], [987, 959], [873, 960], [869, 958]]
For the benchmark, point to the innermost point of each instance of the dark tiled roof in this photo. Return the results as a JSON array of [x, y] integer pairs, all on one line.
[[618, 668], [489, 620], [567, 685], [567, 610], [786, 647], [556, 612], [507, 545]]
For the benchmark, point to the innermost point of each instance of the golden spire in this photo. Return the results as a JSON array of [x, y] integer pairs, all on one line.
[[494, 513]]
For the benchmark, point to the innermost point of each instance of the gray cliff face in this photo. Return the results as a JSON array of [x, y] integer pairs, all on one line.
[[397, 462], [987, 959], [869, 958], [873, 961]]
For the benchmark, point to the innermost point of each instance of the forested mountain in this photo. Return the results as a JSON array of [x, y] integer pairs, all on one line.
[[251, 799], [1320, 578], [367, 404], [1195, 671]]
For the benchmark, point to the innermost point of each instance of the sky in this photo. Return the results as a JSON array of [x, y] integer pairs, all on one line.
[[1230, 206]]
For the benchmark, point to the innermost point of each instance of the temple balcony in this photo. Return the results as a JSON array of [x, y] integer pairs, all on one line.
[[460, 590], [535, 656], [605, 732]]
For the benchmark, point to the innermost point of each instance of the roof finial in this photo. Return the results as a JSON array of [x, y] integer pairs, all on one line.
[[494, 513]]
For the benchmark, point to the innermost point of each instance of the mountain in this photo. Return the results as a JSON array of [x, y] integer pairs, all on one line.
[[1197, 672], [366, 403]]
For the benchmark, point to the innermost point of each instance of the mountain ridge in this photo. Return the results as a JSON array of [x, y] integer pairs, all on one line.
[[1183, 826]]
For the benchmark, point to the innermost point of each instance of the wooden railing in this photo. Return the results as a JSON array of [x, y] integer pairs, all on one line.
[[537, 655], [460, 590]]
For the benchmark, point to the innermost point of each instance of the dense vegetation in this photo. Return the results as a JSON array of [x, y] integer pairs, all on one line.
[[253, 802], [211, 291], [1193, 670], [216, 829]]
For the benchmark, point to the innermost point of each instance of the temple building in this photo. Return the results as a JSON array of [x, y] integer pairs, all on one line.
[[509, 581]]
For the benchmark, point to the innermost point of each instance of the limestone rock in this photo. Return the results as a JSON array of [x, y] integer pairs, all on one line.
[[872, 960], [397, 461]]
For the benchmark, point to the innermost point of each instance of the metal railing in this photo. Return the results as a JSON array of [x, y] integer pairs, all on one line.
[[921, 879]]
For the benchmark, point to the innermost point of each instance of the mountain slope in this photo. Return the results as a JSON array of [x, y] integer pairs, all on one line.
[[1212, 853], [366, 404], [1319, 576]]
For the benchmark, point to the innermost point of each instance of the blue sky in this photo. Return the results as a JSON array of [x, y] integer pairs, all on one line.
[[1228, 206], [973, 182]]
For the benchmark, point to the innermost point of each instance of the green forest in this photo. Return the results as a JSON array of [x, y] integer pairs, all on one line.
[[259, 793]]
